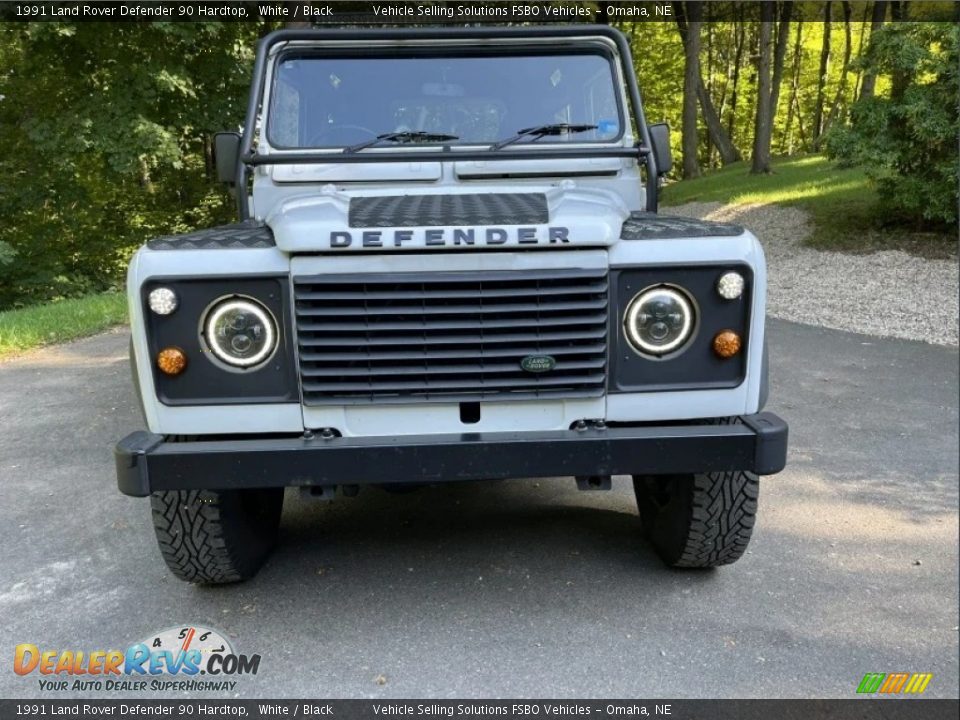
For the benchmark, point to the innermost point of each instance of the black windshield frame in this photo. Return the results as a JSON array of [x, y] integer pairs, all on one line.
[[247, 159], [518, 51]]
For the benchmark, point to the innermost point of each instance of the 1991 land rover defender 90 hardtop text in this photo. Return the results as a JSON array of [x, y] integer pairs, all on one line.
[[448, 266]]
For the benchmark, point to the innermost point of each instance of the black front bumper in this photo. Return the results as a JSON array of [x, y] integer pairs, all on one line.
[[147, 463]]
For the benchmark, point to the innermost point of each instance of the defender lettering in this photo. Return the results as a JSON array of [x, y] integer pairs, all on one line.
[[443, 237]]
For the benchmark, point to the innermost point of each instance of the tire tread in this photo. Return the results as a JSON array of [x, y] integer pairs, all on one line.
[[724, 513], [205, 538], [710, 519]]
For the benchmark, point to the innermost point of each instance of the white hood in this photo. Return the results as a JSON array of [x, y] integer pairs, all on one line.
[[553, 217]]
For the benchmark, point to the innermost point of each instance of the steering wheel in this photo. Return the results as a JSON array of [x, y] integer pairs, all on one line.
[[330, 133]]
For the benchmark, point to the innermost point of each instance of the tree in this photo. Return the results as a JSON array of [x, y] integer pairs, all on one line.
[[899, 11], [908, 142], [844, 69], [876, 23], [715, 130], [739, 42], [763, 119], [817, 128], [793, 104], [692, 14], [779, 54], [717, 133]]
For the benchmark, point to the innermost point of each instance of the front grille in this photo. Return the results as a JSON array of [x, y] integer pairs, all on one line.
[[452, 336]]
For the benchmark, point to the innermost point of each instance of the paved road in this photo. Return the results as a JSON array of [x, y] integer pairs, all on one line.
[[518, 588]]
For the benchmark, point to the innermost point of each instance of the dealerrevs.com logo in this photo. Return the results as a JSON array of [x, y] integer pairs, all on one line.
[[171, 660]]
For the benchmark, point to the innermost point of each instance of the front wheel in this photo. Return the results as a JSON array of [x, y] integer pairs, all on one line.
[[702, 520], [214, 537]]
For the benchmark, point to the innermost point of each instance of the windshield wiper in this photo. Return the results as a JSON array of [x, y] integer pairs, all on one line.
[[542, 130], [402, 137]]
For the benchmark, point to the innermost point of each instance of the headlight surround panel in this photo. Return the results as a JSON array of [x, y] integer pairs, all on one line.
[[694, 365], [208, 380]]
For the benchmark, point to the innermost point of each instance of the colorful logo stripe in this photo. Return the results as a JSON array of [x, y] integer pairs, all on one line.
[[894, 683], [918, 682]]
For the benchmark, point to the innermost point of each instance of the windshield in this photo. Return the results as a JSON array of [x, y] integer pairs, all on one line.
[[479, 99]]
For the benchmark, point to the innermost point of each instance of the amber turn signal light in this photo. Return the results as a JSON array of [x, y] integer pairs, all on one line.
[[726, 344], [172, 361]]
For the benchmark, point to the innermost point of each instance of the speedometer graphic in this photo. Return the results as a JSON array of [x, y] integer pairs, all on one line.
[[182, 638]]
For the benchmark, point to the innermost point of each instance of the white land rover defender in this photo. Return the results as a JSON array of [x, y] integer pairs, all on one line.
[[448, 266]]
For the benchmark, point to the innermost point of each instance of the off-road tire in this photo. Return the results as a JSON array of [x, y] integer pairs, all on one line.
[[698, 521], [212, 537]]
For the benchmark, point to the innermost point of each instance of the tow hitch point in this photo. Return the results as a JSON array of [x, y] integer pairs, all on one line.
[[589, 483]]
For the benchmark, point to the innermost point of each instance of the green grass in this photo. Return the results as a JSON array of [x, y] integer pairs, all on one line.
[[32, 327], [842, 204]]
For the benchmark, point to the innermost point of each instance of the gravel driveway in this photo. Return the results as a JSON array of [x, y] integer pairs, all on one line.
[[889, 294]]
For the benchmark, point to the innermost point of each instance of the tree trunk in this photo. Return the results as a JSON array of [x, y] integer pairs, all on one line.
[[715, 131], [721, 103], [705, 87], [779, 54], [900, 79], [840, 97], [822, 77], [736, 74], [800, 133], [763, 120], [858, 80], [876, 22], [688, 21], [794, 91], [209, 162], [718, 135]]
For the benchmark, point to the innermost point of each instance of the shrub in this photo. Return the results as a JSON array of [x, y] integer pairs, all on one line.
[[907, 142]]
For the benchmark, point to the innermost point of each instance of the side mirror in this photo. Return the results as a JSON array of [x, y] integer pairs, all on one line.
[[226, 152], [660, 139]]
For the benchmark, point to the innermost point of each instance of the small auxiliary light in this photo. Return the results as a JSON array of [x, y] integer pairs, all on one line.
[[162, 300], [172, 361], [730, 285], [726, 344]]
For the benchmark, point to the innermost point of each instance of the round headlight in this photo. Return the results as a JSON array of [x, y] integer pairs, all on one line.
[[659, 320], [240, 332], [162, 300]]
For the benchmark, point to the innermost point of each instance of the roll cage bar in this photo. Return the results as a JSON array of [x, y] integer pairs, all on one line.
[[248, 158]]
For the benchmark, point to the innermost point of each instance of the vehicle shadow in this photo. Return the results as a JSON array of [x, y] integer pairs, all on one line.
[[515, 532]]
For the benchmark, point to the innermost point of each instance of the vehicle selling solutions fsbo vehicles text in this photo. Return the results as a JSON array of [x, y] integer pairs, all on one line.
[[466, 11]]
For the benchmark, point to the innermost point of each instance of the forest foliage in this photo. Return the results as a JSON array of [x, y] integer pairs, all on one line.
[[105, 128], [907, 141], [105, 143]]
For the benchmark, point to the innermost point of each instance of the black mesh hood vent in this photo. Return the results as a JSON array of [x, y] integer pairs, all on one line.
[[446, 210]]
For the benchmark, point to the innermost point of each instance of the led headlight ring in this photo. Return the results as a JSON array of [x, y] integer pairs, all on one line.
[[659, 320], [240, 332]]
